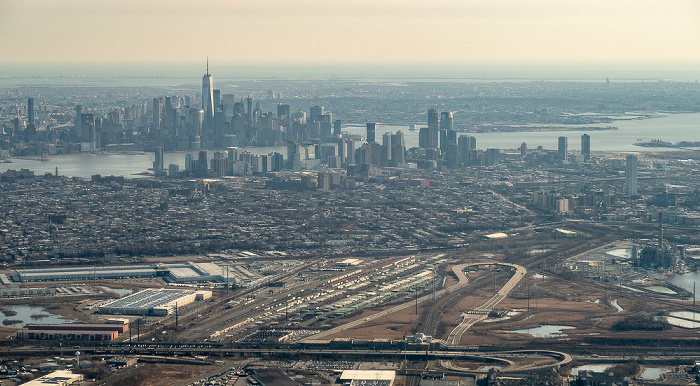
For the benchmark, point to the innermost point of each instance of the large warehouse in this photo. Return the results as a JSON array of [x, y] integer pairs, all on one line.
[[153, 302], [175, 273]]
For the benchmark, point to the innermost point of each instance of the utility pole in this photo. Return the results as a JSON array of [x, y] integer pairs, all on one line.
[[416, 292], [494, 281], [176, 320]]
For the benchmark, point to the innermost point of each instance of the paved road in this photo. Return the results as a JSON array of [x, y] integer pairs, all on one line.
[[480, 313]]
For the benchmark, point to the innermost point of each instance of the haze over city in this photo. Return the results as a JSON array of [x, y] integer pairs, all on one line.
[[360, 31]]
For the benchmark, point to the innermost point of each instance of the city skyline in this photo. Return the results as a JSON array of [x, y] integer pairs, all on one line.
[[314, 31]]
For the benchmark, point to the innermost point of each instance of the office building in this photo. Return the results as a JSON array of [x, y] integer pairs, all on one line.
[[156, 114], [78, 113], [30, 112], [208, 95], [337, 126], [433, 129], [424, 138], [446, 126], [562, 148], [586, 147], [371, 128], [87, 132], [398, 148], [284, 118], [631, 175], [217, 100], [350, 152]]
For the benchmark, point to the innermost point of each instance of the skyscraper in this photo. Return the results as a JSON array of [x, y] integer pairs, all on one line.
[[433, 129], [386, 149], [337, 127], [208, 95], [158, 164], [283, 116], [315, 113], [398, 148], [562, 149], [249, 111], [78, 113], [631, 175], [467, 149], [371, 126], [156, 109], [446, 125], [586, 147], [350, 147], [30, 112], [216, 94]]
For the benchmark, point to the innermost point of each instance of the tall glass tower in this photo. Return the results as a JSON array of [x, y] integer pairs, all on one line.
[[208, 95]]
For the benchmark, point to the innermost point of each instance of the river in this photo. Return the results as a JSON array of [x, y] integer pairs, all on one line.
[[671, 128]]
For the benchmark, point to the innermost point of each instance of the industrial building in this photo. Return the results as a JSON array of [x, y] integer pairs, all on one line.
[[175, 273], [56, 378], [74, 331], [368, 377], [153, 302]]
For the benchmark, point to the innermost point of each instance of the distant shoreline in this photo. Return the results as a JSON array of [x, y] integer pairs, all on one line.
[[518, 128], [675, 145]]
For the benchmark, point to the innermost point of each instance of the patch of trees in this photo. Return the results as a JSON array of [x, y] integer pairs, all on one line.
[[641, 322], [625, 369]]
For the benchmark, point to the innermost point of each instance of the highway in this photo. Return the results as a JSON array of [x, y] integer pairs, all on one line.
[[508, 359], [482, 312]]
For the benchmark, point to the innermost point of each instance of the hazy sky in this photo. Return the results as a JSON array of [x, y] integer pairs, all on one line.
[[350, 30]]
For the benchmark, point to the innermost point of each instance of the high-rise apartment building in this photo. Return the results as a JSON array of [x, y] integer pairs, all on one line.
[[562, 149], [586, 147], [631, 175], [467, 149], [158, 164]]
